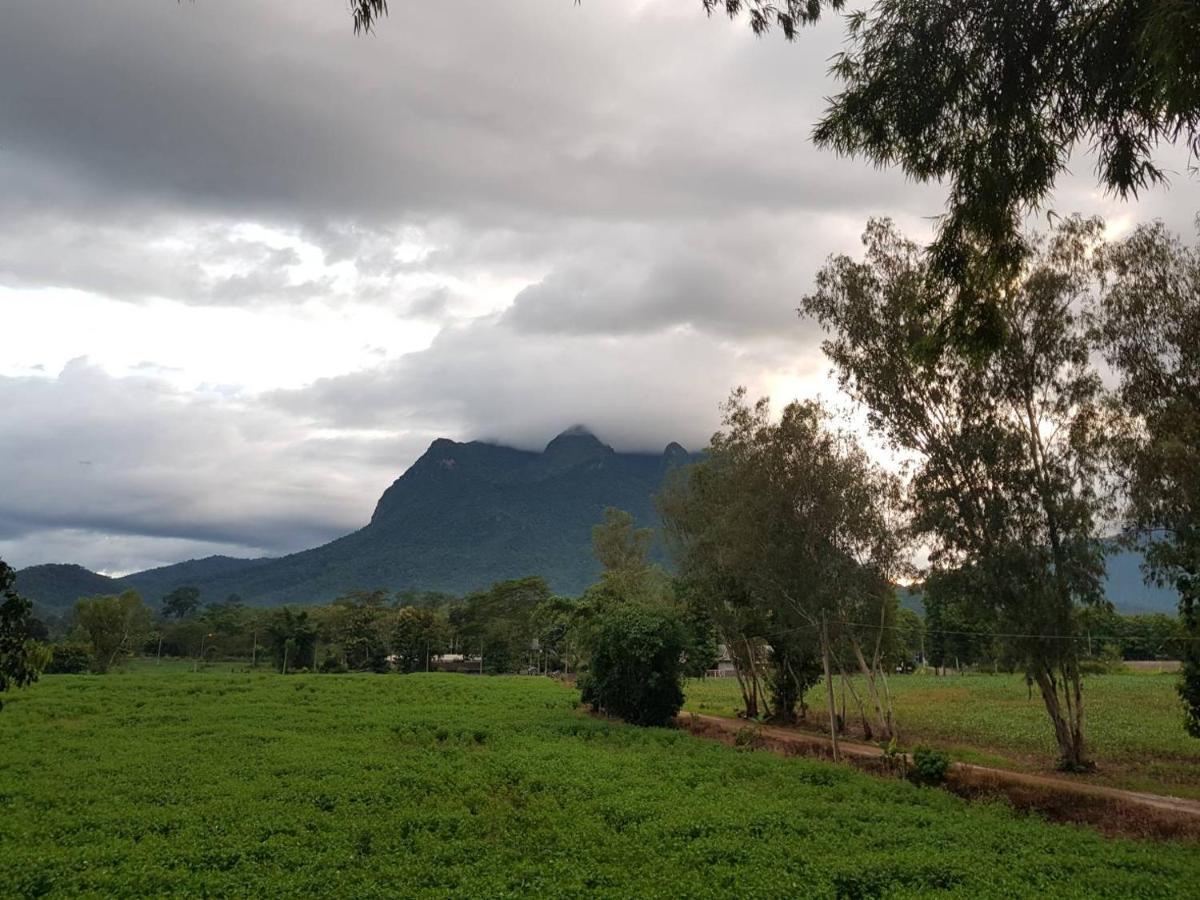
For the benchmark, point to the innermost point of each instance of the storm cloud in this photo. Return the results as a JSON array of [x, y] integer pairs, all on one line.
[[251, 265]]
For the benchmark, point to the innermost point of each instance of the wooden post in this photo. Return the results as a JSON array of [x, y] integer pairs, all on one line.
[[829, 689]]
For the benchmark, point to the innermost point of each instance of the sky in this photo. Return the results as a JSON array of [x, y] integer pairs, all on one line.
[[252, 265]]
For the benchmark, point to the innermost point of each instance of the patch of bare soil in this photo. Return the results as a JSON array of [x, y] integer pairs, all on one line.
[[1112, 811]]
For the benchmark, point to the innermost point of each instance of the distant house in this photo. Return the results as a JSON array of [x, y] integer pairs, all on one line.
[[724, 667]]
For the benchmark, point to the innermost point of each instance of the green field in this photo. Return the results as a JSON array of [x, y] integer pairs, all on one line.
[[1134, 724], [228, 784]]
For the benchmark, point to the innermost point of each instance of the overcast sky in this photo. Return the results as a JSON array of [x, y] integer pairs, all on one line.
[[251, 265]]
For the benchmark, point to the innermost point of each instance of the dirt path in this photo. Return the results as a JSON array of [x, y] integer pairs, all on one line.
[[1112, 810]]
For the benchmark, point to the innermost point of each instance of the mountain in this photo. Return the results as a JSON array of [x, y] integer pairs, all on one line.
[[58, 585], [156, 583], [461, 517], [1125, 587]]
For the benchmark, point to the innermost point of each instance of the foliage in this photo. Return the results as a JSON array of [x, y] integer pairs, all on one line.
[[930, 765], [636, 665], [416, 635], [499, 622], [115, 624], [20, 656], [961, 629], [623, 550], [1009, 448], [323, 786], [181, 603], [992, 98], [358, 622], [1149, 322], [72, 658], [785, 533], [292, 639]]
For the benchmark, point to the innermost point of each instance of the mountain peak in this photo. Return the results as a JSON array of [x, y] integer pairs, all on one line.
[[576, 436], [575, 445]]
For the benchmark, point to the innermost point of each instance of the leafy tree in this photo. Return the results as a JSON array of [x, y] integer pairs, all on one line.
[[636, 665], [115, 624], [73, 658], [358, 623], [181, 603], [292, 638], [499, 622], [961, 629], [1150, 326], [907, 649], [623, 550], [558, 625], [417, 634], [788, 528], [20, 656], [1009, 449]]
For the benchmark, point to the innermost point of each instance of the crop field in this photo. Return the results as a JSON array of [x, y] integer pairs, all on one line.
[[1134, 724], [230, 784]]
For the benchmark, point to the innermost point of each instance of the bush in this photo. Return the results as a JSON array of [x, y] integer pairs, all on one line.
[[636, 668], [69, 659], [929, 765]]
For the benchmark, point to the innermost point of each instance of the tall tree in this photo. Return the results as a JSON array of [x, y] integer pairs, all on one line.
[[181, 603], [417, 634], [20, 660], [1009, 448], [292, 638], [115, 624], [1150, 324], [785, 525], [623, 550]]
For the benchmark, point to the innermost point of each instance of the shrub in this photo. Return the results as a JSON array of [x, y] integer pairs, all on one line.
[[636, 668], [69, 659], [929, 765]]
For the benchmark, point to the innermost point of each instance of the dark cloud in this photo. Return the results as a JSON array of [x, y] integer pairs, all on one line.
[[489, 381], [610, 209], [131, 457]]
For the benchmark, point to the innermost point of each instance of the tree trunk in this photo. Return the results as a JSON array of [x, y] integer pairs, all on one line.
[[1066, 714], [884, 718], [833, 738]]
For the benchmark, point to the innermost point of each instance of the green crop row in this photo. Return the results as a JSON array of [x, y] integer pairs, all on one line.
[[225, 784]]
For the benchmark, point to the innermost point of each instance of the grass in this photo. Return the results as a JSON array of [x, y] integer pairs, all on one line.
[[1134, 724], [164, 782]]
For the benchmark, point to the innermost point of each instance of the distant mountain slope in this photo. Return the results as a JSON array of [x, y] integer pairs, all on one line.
[[58, 585], [153, 584], [1127, 589]]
